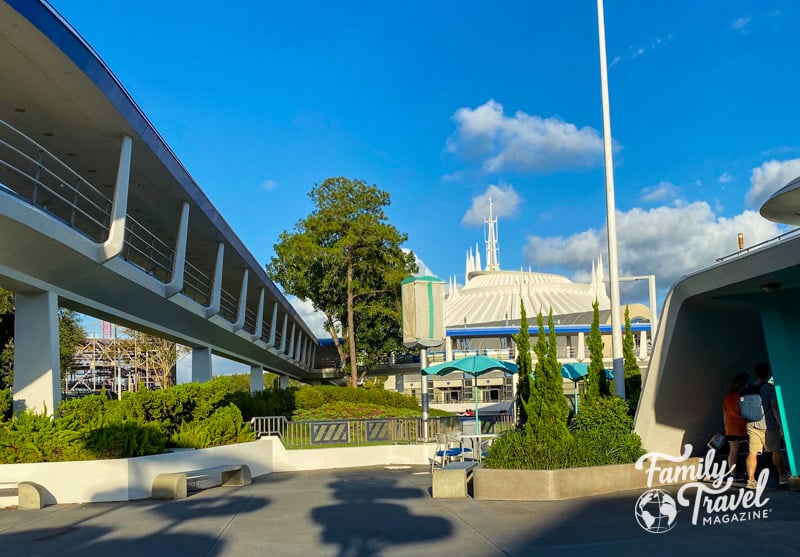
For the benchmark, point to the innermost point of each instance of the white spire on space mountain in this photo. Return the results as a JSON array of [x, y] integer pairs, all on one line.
[[601, 286], [477, 258], [492, 263]]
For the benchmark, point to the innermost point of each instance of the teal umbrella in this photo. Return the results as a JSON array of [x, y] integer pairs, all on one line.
[[475, 366], [575, 372]]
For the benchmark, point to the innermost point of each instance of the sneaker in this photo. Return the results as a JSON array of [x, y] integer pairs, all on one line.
[[784, 479], [751, 484]]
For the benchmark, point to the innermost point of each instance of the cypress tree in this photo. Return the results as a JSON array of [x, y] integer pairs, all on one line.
[[547, 407], [522, 341], [596, 380]]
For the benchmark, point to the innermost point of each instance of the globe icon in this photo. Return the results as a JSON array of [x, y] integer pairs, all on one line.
[[656, 511]]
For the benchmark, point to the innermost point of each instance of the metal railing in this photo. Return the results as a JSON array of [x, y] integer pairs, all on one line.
[[31, 173], [37, 176], [304, 434]]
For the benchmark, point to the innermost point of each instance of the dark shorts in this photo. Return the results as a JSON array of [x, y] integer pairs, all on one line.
[[738, 438]]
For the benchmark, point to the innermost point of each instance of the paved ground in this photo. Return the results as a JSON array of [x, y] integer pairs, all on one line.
[[379, 512]]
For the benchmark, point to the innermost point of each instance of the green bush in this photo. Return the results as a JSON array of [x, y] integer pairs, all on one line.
[[605, 428], [125, 439], [601, 434], [31, 437], [271, 402], [223, 427], [517, 450], [307, 398], [6, 401], [84, 413]]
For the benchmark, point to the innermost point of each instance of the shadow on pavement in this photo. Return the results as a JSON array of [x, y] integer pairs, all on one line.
[[371, 517]]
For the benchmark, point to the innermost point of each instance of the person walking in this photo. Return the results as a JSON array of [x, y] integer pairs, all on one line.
[[735, 425], [765, 434]]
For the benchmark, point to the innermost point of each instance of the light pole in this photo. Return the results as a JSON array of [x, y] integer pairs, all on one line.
[[613, 265]]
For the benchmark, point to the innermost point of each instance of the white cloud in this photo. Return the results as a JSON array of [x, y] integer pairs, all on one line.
[[313, 318], [505, 203], [268, 184], [522, 143], [740, 24], [769, 178], [668, 242], [724, 178], [664, 191]]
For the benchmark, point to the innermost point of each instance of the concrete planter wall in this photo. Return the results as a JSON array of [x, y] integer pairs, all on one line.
[[125, 479], [551, 485]]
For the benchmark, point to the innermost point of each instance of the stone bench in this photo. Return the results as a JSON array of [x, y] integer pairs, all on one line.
[[29, 495], [452, 481], [175, 485]]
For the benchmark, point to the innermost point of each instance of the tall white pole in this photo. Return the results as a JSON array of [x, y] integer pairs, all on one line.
[[426, 401], [653, 308], [613, 265]]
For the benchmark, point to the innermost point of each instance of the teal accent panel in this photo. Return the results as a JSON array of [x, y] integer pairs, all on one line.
[[787, 438], [781, 320]]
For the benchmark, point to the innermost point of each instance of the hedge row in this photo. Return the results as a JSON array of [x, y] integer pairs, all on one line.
[[601, 434], [307, 398]]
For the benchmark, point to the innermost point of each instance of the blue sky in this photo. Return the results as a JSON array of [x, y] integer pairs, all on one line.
[[443, 103]]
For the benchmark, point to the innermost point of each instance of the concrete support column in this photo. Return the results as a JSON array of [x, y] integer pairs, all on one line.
[[259, 317], [256, 379], [273, 328], [283, 382], [643, 345], [201, 365], [241, 312], [301, 349], [291, 343], [37, 371], [216, 284], [448, 349], [175, 284], [112, 247], [581, 348], [283, 333]]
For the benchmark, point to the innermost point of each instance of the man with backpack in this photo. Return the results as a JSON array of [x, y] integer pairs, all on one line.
[[764, 429]]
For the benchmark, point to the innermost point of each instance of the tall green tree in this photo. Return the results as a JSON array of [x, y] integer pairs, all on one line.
[[596, 380], [547, 407], [345, 257], [522, 341], [6, 338]]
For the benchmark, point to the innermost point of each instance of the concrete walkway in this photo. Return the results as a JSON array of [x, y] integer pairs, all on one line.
[[379, 512]]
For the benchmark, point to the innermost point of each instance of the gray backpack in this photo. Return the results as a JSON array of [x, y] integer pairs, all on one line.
[[750, 403]]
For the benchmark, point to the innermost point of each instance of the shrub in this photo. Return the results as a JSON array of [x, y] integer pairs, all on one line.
[[32, 437], [307, 398], [223, 427], [605, 429], [519, 451], [125, 439], [6, 402], [83, 413], [273, 402]]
